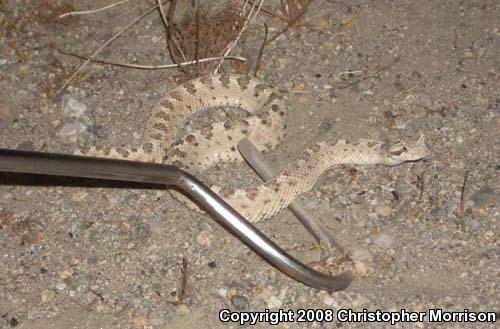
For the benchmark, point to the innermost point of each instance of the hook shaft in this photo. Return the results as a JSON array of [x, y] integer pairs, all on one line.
[[122, 170]]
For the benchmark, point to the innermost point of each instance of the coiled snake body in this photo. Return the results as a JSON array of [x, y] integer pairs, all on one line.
[[201, 149]]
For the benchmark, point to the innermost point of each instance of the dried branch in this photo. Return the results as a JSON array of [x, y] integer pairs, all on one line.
[[460, 211], [151, 67], [72, 77], [93, 11], [250, 17], [261, 50], [293, 16], [201, 33], [167, 27]]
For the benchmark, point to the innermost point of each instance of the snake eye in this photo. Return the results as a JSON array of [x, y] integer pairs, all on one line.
[[400, 151]]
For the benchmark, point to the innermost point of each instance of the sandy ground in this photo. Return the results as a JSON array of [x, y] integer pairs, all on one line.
[[96, 256]]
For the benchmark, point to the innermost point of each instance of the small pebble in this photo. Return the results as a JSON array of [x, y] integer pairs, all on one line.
[[231, 291], [383, 240], [239, 302], [6, 115], [274, 302], [182, 309], [72, 108], [66, 273], [474, 223], [323, 24], [204, 238], [99, 306], [140, 322], [79, 196], [359, 211], [489, 234], [361, 268], [158, 321], [222, 292], [324, 127], [359, 302], [360, 253], [311, 202], [113, 199], [469, 204], [48, 295], [61, 286], [327, 299], [484, 197], [309, 256], [70, 131], [383, 210]]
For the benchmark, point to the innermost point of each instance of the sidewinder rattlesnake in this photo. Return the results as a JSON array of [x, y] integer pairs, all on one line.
[[200, 149]]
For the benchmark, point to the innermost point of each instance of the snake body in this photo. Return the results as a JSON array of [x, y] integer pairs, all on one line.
[[200, 149]]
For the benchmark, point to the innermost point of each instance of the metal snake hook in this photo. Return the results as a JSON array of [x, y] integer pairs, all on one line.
[[121, 170]]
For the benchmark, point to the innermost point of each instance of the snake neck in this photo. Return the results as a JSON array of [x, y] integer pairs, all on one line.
[[268, 199]]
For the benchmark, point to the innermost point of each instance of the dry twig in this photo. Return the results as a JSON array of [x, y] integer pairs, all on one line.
[[250, 17], [167, 27], [264, 10], [181, 296], [294, 11], [183, 288], [93, 11], [421, 187], [150, 67], [460, 211], [261, 50], [203, 34], [67, 82]]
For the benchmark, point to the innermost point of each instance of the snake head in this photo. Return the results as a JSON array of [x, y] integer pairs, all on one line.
[[409, 151]]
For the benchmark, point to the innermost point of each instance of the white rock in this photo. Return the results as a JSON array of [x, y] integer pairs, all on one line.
[[61, 286], [204, 238], [274, 302], [48, 295], [70, 131], [327, 299], [222, 292], [73, 108]]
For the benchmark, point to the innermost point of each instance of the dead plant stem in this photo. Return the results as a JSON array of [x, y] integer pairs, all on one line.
[[93, 11], [261, 50], [151, 67], [247, 21], [72, 77]]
